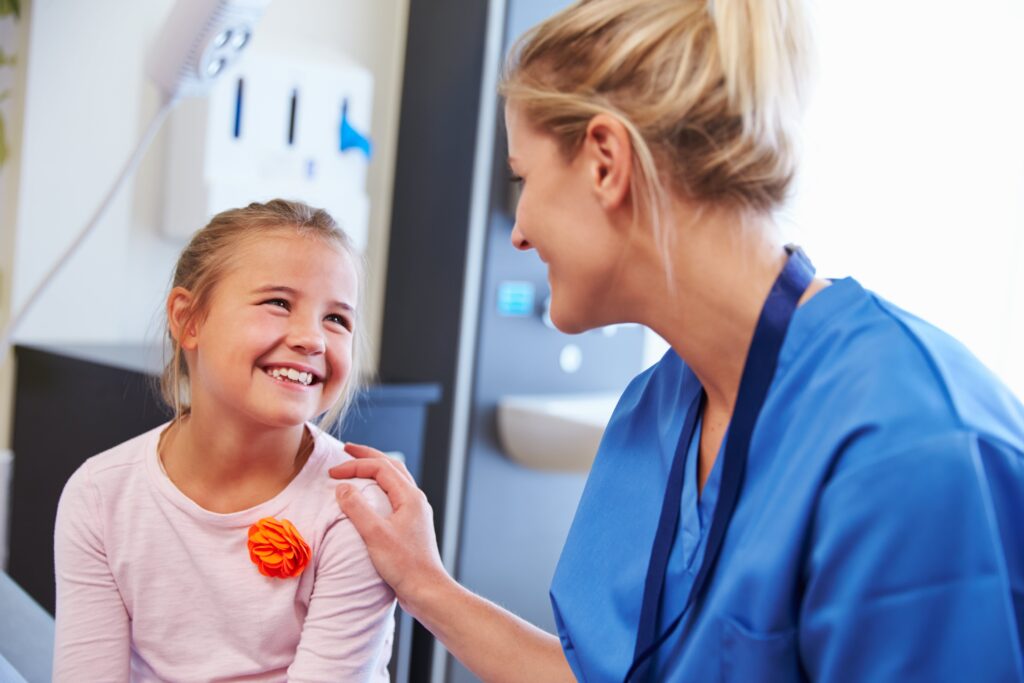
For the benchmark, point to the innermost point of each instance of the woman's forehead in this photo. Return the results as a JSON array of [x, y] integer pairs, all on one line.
[[524, 138]]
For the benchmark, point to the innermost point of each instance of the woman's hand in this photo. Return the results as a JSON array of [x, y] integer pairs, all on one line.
[[403, 547], [494, 644]]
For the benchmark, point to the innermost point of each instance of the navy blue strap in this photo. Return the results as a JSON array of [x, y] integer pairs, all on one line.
[[758, 371], [667, 526]]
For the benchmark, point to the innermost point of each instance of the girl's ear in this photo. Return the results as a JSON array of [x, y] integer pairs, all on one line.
[[609, 158], [180, 319]]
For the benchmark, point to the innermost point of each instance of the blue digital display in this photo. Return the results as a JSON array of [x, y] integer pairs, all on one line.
[[515, 298]]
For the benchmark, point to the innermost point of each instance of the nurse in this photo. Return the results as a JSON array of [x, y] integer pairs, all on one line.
[[812, 484]]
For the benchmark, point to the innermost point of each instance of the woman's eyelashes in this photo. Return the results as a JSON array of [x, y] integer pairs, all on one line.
[[515, 179]]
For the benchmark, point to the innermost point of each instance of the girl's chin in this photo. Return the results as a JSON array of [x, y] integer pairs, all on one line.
[[285, 419]]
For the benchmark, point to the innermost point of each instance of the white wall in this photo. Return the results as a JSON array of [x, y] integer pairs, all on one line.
[[912, 178], [87, 101], [12, 87], [913, 172], [13, 35]]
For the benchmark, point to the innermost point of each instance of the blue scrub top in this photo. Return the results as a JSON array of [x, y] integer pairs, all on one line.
[[879, 534]]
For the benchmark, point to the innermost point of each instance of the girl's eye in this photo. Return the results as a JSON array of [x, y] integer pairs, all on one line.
[[280, 303], [339, 320], [515, 179]]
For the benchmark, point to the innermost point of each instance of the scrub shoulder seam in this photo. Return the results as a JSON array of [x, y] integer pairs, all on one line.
[[929, 360]]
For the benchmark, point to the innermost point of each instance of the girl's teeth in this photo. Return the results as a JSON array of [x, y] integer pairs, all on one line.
[[292, 374]]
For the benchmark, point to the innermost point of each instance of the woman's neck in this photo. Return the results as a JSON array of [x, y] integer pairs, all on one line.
[[722, 266], [707, 302], [225, 467]]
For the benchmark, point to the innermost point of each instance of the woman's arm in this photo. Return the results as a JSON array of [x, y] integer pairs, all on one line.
[[491, 642], [92, 640]]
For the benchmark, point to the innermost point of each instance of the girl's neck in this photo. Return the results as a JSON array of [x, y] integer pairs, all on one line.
[[225, 467]]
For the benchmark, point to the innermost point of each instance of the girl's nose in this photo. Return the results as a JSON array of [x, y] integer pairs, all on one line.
[[519, 240], [307, 339]]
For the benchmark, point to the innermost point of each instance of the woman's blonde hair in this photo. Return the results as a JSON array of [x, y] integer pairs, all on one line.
[[710, 92], [211, 254]]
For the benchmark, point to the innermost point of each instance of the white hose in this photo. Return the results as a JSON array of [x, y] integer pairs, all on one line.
[[129, 168]]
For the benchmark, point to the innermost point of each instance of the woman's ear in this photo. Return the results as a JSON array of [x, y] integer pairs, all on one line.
[[180, 319], [609, 156]]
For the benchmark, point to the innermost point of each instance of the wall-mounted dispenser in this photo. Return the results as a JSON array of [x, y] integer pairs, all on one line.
[[199, 41], [275, 127]]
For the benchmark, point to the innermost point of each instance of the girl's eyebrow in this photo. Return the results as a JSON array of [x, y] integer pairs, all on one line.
[[282, 289]]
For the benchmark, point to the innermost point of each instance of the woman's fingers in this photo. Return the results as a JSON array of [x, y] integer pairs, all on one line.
[[367, 521], [403, 546], [363, 453], [395, 484], [358, 450]]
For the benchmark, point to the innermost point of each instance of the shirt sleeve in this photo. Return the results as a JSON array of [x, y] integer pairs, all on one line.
[[92, 634], [907, 574], [349, 627]]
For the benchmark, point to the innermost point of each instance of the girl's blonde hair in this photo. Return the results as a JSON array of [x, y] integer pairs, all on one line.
[[211, 254], [710, 92]]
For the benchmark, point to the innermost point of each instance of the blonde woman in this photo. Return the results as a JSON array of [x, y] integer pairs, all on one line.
[[812, 484]]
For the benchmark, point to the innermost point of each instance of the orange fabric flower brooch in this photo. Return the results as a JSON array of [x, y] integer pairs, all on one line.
[[277, 549]]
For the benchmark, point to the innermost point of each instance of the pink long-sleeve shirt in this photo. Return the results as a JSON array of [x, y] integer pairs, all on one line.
[[152, 587]]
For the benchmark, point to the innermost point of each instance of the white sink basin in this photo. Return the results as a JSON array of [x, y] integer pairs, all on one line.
[[554, 432]]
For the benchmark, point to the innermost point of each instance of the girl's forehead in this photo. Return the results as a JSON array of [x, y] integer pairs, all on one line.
[[281, 243], [291, 255]]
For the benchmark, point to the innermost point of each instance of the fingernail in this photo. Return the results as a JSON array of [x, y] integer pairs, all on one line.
[[344, 490]]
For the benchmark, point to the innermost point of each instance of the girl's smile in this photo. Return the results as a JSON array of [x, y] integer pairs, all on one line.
[[291, 373]]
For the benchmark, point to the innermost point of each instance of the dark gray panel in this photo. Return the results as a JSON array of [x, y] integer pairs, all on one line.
[[429, 229], [515, 520]]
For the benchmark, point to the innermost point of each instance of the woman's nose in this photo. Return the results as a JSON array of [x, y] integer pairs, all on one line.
[[519, 240]]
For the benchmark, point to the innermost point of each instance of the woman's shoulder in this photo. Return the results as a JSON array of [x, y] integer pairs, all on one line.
[[871, 383], [884, 364]]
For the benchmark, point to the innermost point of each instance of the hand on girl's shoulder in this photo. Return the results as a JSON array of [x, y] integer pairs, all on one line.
[[371, 491]]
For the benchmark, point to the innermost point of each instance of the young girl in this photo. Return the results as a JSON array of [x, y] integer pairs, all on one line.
[[211, 548]]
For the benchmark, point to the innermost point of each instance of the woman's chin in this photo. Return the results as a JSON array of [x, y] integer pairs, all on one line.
[[569, 324]]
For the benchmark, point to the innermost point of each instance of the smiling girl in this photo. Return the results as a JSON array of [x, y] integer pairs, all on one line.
[[211, 548]]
